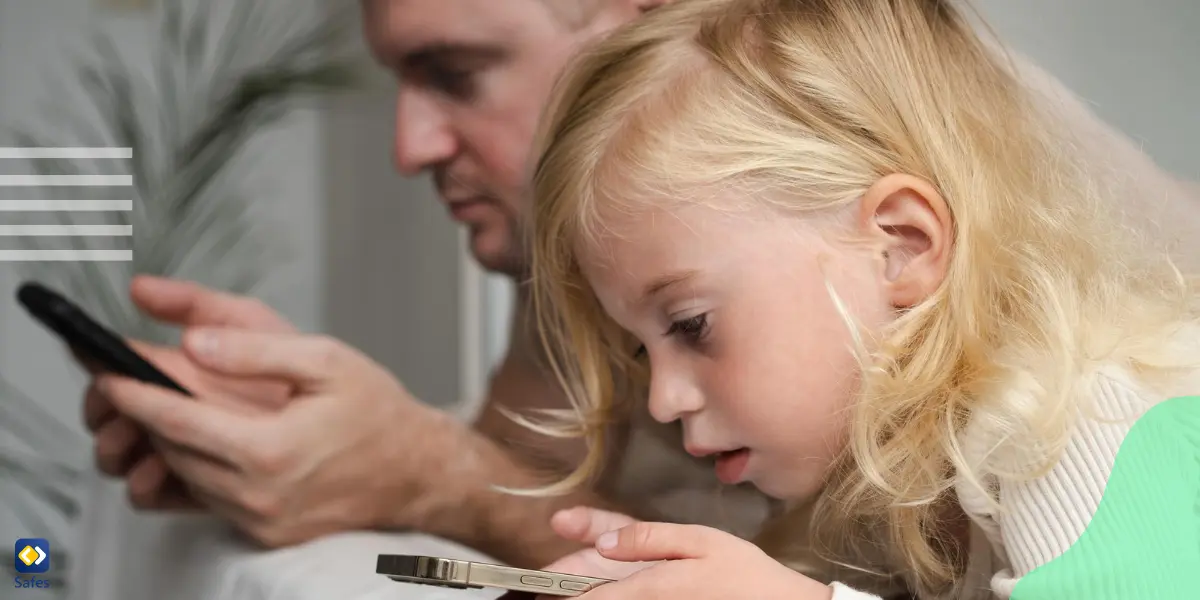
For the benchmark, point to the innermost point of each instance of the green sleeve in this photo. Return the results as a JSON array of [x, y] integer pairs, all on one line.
[[1143, 541]]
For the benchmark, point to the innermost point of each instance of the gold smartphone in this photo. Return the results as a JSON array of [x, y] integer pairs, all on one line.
[[449, 572]]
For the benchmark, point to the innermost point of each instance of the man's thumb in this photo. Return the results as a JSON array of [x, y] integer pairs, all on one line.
[[585, 524]]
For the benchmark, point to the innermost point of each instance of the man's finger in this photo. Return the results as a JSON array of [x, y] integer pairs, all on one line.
[[223, 508], [114, 444], [200, 473], [187, 303], [585, 524], [305, 360], [97, 410], [645, 541], [151, 486], [180, 420]]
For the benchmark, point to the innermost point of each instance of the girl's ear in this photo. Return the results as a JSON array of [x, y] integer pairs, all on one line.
[[909, 224]]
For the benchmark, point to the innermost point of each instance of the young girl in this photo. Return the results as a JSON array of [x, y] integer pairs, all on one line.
[[838, 243]]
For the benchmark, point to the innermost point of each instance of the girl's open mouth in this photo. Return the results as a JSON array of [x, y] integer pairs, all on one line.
[[731, 466]]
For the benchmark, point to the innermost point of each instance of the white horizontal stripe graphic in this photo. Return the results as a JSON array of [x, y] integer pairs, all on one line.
[[65, 230], [64, 205], [66, 152], [66, 255], [65, 180]]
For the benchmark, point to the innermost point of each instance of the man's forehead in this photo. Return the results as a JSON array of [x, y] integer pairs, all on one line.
[[414, 23]]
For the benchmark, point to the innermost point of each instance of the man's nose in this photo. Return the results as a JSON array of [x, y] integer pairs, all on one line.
[[423, 137]]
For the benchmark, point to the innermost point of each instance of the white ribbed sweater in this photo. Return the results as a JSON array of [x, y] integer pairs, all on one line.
[[1040, 519]]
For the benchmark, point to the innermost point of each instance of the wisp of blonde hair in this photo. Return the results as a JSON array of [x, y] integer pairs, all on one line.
[[816, 100]]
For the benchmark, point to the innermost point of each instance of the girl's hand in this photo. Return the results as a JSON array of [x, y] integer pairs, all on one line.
[[585, 525], [699, 563]]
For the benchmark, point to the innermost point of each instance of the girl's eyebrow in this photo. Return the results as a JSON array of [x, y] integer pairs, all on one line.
[[659, 284]]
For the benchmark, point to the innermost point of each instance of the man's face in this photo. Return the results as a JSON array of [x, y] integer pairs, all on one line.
[[475, 76]]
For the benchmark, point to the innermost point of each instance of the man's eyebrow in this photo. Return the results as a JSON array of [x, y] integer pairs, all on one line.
[[453, 52], [660, 284]]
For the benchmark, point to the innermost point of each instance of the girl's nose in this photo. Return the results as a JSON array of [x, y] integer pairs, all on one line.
[[672, 396]]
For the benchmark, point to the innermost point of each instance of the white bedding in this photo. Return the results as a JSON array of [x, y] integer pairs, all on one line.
[[340, 566], [200, 558]]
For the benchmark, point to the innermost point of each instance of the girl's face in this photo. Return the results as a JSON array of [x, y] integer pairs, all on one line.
[[745, 344], [743, 339]]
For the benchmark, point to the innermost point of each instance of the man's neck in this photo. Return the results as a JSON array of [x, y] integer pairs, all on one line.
[[526, 341]]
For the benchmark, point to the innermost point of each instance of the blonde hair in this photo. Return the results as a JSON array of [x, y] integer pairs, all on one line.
[[818, 99]]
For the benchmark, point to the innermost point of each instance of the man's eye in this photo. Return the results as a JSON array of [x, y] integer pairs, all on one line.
[[455, 83]]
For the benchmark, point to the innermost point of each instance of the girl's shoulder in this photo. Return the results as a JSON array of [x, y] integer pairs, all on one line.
[[1023, 428], [1128, 430]]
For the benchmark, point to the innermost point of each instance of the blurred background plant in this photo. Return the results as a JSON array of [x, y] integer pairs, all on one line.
[[222, 73]]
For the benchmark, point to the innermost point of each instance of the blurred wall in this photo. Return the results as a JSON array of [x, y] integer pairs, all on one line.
[[1136, 62], [401, 285], [395, 270]]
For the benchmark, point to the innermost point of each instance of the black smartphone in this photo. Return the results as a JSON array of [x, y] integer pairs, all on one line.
[[89, 338]]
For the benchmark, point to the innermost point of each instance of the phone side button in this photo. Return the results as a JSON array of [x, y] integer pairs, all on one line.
[[574, 586], [538, 581]]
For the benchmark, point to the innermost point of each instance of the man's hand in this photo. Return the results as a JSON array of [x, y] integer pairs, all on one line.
[[291, 437], [349, 449], [121, 447]]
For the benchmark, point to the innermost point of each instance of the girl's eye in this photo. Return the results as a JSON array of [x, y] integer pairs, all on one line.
[[692, 330]]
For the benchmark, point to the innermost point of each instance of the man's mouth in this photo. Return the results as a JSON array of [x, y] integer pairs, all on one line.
[[466, 209]]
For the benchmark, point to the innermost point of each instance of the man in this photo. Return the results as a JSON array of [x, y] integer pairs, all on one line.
[[294, 436], [341, 445]]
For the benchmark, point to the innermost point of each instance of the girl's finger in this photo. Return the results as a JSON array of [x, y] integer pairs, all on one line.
[[585, 524]]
